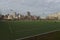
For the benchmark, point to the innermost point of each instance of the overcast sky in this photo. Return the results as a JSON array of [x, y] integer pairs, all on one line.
[[36, 7]]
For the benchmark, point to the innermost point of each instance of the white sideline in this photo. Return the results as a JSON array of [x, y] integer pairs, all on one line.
[[37, 35]]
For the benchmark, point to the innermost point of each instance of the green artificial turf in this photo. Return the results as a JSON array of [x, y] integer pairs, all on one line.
[[11, 30]]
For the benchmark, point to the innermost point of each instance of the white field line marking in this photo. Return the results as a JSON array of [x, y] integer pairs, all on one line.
[[37, 34]]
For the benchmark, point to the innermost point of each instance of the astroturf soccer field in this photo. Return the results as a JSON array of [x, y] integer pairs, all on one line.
[[11, 30]]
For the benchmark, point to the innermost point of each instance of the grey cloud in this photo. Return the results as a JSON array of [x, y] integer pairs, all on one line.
[[35, 6]]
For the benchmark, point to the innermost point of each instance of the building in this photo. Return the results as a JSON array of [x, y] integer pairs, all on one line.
[[15, 16], [13, 13], [6, 16], [55, 16], [10, 17]]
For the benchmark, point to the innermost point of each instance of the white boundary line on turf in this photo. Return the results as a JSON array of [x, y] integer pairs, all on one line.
[[37, 34]]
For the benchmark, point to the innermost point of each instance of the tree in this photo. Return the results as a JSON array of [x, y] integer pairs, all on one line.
[[38, 17], [0, 16], [28, 13]]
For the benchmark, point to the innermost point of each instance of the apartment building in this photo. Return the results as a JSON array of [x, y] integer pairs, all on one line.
[[54, 16]]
